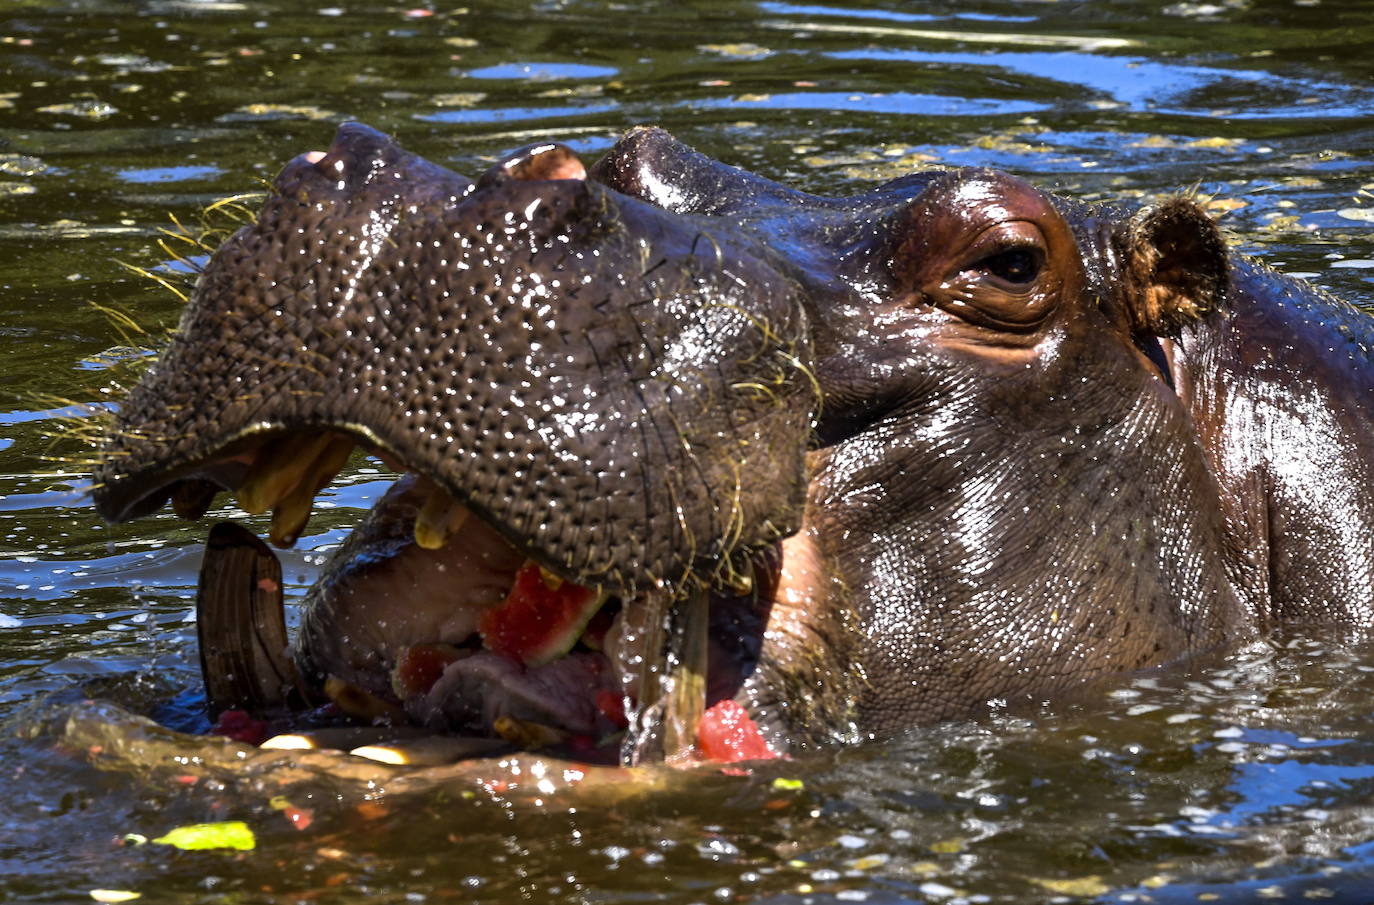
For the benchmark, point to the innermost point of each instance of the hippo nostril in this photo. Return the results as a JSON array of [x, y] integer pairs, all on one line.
[[539, 162]]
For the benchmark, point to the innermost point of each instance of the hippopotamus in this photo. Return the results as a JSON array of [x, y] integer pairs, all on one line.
[[905, 454]]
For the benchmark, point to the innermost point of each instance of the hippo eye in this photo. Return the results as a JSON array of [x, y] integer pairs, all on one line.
[[1017, 266]]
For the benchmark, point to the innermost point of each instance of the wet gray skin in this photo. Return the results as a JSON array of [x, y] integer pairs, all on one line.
[[1053, 442]]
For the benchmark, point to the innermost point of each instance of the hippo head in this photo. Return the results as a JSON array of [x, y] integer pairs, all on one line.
[[920, 445], [1008, 485]]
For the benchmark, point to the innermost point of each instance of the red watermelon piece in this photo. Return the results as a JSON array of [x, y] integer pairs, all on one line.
[[728, 735], [419, 666], [541, 618]]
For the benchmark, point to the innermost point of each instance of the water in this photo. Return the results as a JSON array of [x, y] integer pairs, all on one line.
[[1245, 779]]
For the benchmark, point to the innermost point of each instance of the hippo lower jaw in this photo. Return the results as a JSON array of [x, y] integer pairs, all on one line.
[[393, 631]]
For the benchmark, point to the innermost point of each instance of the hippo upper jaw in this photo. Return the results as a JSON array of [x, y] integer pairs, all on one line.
[[589, 373]]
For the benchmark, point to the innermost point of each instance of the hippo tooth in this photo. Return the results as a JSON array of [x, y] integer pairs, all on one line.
[[289, 518], [439, 519], [525, 734], [293, 511], [280, 467], [359, 702], [191, 499]]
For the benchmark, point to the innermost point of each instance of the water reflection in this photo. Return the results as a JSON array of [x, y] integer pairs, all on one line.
[[1245, 779]]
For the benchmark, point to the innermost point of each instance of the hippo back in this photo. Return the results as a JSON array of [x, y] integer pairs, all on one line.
[[1280, 383]]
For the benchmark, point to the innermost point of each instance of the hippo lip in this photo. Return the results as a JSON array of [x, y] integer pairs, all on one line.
[[281, 471]]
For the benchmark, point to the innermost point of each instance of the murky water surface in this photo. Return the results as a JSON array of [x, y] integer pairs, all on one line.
[[1245, 779]]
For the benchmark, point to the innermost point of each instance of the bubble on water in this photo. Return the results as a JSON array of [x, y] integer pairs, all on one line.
[[717, 848]]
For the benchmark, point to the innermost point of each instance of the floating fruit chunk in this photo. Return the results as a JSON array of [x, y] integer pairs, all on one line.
[[594, 635], [540, 620], [728, 734], [430, 751], [611, 706]]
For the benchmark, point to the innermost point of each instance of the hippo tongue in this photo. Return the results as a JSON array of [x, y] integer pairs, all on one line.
[[483, 689]]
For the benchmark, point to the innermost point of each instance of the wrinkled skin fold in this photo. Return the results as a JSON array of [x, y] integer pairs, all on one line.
[[949, 441]]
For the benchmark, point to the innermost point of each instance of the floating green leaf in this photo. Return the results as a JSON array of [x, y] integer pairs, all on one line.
[[788, 784], [198, 836]]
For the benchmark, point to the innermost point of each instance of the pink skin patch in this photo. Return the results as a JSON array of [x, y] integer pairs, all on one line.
[[547, 162], [728, 735]]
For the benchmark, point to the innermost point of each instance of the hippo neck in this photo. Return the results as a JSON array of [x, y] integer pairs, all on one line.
[[1277, 383], [1042, 558]]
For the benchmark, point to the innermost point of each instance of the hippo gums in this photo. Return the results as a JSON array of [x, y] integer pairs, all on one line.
[[742, 469]]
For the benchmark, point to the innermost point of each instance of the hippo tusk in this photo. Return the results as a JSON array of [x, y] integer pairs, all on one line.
[[686, 700], [671, 678], [280, 467], [293, 511]]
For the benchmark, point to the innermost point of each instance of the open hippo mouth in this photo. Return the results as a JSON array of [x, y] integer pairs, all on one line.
[[602, 408]]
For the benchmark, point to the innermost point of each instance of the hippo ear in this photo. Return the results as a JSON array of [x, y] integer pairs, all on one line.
[[1176, 267]]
